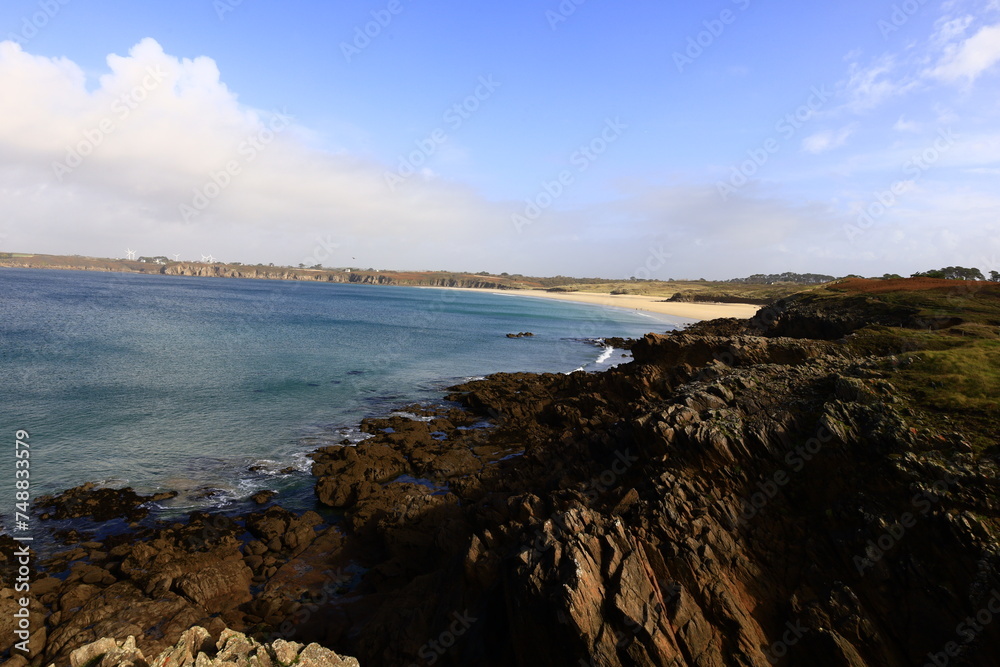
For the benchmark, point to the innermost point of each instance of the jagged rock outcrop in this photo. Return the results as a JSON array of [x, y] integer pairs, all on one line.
[[742, 493], [733, 497], [198, 648]]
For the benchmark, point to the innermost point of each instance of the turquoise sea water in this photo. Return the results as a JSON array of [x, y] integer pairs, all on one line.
[[212, 387]]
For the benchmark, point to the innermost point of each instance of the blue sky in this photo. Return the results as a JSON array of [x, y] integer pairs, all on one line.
[[658, 139]]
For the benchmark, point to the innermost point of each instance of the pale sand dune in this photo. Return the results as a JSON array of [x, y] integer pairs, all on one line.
[[652, 304]]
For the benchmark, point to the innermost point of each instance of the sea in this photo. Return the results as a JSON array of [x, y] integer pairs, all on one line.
[[218, 388]]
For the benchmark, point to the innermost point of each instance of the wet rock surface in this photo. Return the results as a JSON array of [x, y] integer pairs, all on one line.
[[98, 503], [739, 494]]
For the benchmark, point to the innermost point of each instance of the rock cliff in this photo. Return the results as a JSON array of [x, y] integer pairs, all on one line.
[[353, 277], [817, 486]]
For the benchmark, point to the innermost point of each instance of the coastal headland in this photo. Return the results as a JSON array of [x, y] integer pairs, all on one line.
[[815, 485], [691, 299]]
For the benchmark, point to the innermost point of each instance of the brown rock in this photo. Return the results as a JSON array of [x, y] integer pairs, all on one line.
[[100, 504], [218, 587], [119, 611], [263, 497]]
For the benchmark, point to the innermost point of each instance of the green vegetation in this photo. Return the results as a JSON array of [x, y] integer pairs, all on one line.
[[787, 277], [957, 388], [952, 273], [682, 290], [965, 376], [946, 356]]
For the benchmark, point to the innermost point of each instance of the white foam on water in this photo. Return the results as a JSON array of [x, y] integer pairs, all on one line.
[[302, 462], [411, 416]]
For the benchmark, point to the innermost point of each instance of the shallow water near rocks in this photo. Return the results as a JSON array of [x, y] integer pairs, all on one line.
[[219, 388]]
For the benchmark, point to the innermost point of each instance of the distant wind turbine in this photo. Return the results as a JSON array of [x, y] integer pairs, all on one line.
[[131, 254], [177, 257], [204, 258]]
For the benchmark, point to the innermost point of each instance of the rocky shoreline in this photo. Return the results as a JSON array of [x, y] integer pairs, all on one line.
[[742, 493], [258, 272]]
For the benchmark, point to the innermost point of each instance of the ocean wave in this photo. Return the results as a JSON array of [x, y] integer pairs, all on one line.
[[602, 360], [333, 436], [302, 462], [605, 355]]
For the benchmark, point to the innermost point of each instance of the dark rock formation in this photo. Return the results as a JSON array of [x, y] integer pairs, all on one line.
[[742, 493], [736, 496], [619, 343], [263, 497], [100, 504]]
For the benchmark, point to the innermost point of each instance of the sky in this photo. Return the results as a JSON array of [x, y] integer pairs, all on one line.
[[660, 139]]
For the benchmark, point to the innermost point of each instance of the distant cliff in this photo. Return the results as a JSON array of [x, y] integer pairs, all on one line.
[[672, 290], [260, 272], [330, 276]]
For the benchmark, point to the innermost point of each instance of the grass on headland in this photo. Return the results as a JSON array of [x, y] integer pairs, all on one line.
[[949, 354], [691, 290]]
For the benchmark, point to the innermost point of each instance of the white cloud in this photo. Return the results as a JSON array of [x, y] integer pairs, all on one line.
[[870, 86], [827, 140], [966, 61], [950, 29], [117, 163], [156, 128]]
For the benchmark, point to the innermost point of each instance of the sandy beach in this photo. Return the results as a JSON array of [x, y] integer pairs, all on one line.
[[652, 304]]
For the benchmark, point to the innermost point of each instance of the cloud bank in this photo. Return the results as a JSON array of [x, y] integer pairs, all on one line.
[[157, 154]]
